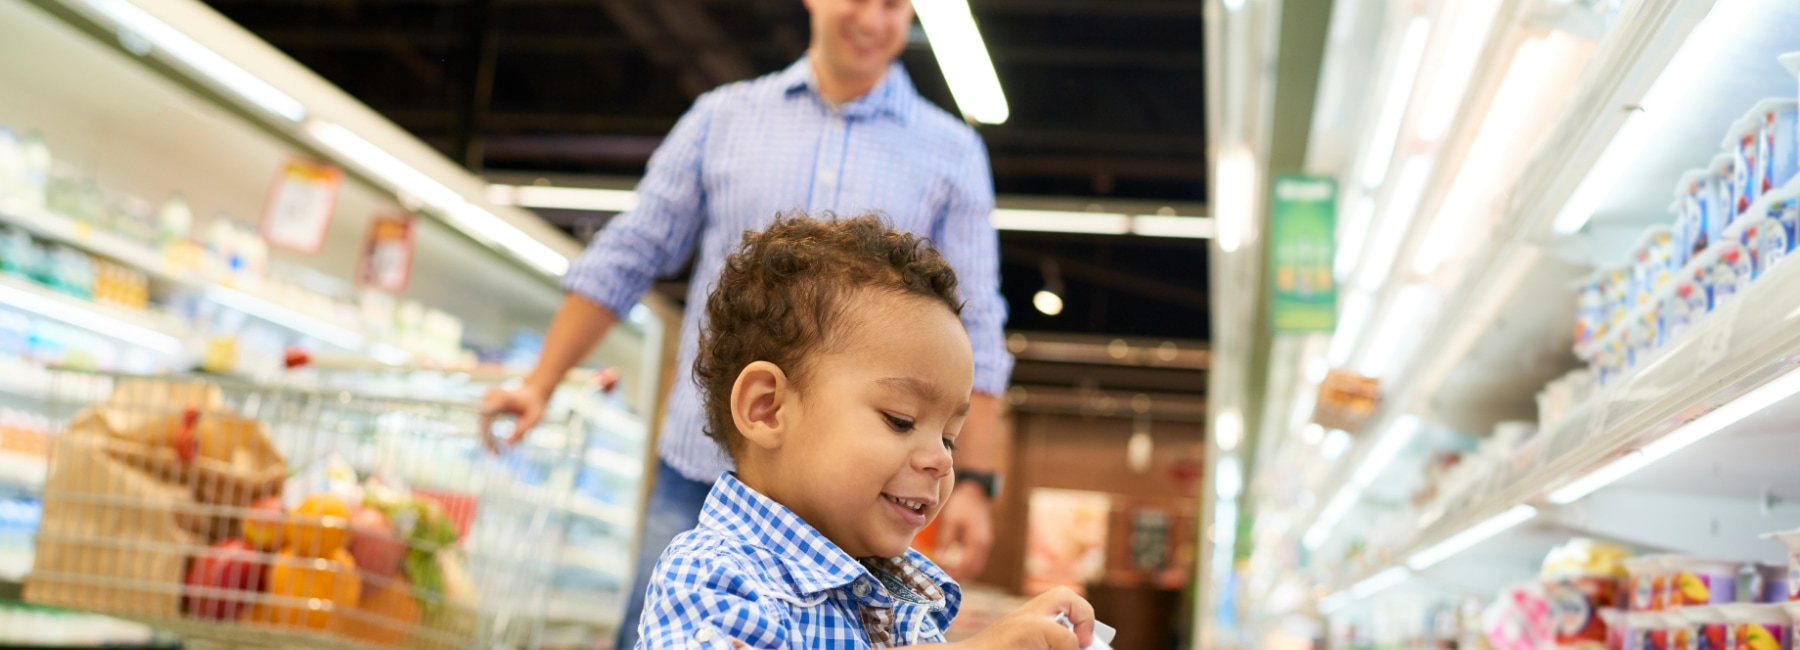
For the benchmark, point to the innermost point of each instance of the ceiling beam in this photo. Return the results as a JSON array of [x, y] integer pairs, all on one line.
[[1101, 276]]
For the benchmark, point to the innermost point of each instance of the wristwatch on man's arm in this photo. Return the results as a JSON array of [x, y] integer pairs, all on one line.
[[988, 481]]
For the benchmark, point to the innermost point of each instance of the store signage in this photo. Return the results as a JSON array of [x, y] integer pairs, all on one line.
[[387, 254], [1346, 401], [298, 210], [1303, 230]]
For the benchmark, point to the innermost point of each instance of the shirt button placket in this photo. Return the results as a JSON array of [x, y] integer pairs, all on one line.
[[825, 172]]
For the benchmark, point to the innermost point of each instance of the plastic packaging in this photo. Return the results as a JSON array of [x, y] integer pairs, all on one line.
[[1778, 142], [1708, 629], [1741, 142], [1728, 273], [1725, 190], [1590, 311], [1700, 581], [1758, 627], [1653, 263], [1765, 239], [1695, 211], [1648, 580], [1791, 539]]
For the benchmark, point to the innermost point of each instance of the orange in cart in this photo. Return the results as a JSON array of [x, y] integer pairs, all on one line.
[[306, 592], [320, 527], [385, 615]]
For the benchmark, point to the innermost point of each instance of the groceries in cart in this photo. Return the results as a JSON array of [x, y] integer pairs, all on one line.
[[174, 504]]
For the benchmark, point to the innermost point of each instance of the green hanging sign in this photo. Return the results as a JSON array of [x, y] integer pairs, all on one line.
[[1303, 230]]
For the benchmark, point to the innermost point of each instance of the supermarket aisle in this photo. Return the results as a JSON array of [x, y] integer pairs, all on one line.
[[1553, 408]]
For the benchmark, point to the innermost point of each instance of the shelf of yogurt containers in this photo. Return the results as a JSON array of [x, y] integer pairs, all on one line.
[[1698, 312], [1592, 596], [74, 254]]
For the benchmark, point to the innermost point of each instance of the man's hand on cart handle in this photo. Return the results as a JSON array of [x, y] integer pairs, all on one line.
[[526, 406]]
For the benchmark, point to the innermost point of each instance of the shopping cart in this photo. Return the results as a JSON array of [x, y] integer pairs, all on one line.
[[240, 514]]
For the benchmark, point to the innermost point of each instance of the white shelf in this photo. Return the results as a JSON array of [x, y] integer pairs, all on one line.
[[146, 329], [24, 471], [1732, 482], [54, 227]]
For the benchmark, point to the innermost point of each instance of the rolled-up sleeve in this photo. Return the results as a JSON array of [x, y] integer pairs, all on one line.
[[657, 237], [966, 237]]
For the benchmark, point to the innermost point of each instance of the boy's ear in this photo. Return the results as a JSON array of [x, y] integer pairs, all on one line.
[[760, 401]]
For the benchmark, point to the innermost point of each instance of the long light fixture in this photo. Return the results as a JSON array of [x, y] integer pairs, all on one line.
[[1393, 109], [1457, 65], [1228, 429], [289, 318], [1230, 480], [963, 57], [72, 312], [1471, 536], [1698, 429], [229, 76], [1088, 223], [468, 217], [1392, 441], [1402, 206], [1151, 225], [1355, 233], [562, 198], [1664, 101], [1354, 316], [1235, 179], [1516, 103], [1399, 325]]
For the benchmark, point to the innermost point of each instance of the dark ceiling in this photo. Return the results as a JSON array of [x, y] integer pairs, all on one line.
[[1106, 99]]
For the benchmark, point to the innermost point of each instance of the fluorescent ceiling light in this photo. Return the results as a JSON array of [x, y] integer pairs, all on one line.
[[1402, 206], [1475, 534], [1228, 429], [289, 318], [1355, 233], [1516, 104], [1355, 314], [1665, 100], [1047, 302], [1379, 582], [1698, 429], [1400, 325], [1088, 223], [1473, 17], [1393, 110], [1328, 518], [1237, 192], [466, 216], [562, 198], [1394, 439], [89, 317], [1149, 225], [956, 43], [1230, 482], [1337, 441], [228, 75]]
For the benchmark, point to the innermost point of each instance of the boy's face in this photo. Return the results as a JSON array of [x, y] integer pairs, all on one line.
[[865, 458]]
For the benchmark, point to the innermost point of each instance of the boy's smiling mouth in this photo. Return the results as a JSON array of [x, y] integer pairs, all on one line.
[[912, 511]]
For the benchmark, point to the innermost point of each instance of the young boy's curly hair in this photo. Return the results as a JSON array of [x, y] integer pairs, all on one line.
[[781, 297]]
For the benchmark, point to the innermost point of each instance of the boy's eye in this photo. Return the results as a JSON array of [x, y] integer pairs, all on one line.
[[899, 424], [950, 444]]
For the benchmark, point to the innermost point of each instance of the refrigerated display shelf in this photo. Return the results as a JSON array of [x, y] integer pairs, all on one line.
[[1730, 378]]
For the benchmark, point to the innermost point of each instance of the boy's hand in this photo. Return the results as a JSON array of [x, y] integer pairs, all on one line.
[[1034, 626]]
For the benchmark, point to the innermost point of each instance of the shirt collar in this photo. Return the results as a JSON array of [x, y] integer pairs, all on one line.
[[814, 564], [894, 96]]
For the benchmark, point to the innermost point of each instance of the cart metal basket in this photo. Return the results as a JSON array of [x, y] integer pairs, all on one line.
[[241, 514]]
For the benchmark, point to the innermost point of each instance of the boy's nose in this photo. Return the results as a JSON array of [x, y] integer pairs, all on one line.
[[934, 460]]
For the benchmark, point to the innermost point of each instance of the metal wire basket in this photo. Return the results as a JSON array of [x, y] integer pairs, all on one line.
[[251, 515]]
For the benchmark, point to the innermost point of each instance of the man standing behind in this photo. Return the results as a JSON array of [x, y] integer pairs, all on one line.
[[841, 130]]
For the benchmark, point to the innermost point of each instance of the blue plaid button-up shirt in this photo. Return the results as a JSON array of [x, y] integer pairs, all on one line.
[[750, 150], [755, 572]]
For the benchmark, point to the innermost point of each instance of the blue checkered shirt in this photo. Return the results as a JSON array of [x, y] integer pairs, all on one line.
[[754, 572], [750, 150]]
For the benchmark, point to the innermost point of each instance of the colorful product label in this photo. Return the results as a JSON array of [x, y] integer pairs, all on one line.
[[1769, 244], [1779, 148], [1703, 589], [1713, 636], [1744, 173], [1643, 588], [1729, 276], [1681, 638], [1575, 606], [1787, 212], [1762, 636]]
